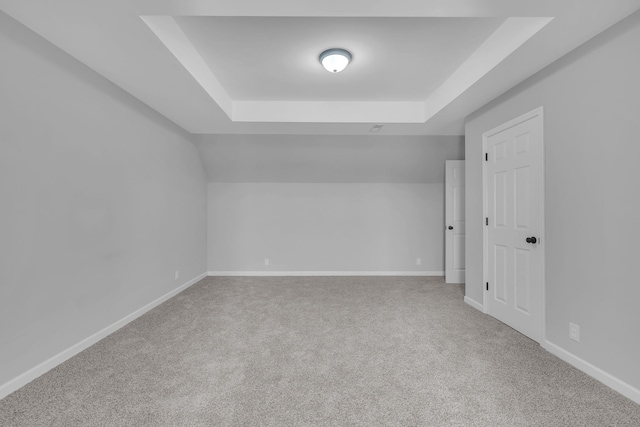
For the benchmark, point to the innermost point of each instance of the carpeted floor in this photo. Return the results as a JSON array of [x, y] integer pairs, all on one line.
[[316, 351]]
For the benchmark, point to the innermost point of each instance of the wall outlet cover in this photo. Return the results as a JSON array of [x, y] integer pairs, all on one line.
[[574, 332]]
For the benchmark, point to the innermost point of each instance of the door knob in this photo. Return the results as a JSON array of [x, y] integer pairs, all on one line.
[[532, 240], [450, 227]]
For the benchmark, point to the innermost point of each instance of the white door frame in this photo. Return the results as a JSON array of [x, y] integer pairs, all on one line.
[[485, 230]]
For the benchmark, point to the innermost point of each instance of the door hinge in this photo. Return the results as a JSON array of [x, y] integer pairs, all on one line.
[[487, 285], [486, 221], [486, 157]]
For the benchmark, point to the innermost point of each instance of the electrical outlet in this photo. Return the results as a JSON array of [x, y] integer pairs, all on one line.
[[574, 332], [266, 261], [177, 274], [418, 261]]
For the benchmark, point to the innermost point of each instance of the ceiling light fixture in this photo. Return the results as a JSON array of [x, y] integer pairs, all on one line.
[[335, 60]]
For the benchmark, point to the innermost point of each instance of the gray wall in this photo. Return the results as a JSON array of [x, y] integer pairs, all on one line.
[[326, 227], [326, 203], [591, 101], [101, 200]]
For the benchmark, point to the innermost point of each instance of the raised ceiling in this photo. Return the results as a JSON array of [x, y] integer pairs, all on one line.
[[458, 64], [394, 59], [214, 66]]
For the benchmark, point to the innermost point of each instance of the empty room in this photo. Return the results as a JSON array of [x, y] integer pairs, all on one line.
[[319, 213]]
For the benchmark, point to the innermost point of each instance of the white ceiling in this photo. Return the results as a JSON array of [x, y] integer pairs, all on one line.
[[394, 59], [177, 56]]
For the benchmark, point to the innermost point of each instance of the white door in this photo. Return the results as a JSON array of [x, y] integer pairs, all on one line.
[[454, 221], [514, 269]]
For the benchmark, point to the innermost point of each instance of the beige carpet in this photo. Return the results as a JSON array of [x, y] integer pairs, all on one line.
[[316, 351]]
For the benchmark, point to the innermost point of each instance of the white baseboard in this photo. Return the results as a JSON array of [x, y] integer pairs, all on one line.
[[473, 303], [33, 373], [326, 273], [607, 379]]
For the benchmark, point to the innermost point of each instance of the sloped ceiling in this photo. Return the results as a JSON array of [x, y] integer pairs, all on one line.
[[322, 158]]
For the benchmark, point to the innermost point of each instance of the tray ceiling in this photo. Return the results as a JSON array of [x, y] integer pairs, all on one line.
[[213, 66]]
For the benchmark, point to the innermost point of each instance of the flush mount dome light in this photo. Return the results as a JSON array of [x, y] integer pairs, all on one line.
[[335, 60]]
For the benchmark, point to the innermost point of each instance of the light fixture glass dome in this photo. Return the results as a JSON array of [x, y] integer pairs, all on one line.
[[335, 60]]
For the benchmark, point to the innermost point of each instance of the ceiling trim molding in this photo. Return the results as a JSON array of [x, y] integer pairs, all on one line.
[[328, 111], [508, 37], [171, 35], [352, 8]]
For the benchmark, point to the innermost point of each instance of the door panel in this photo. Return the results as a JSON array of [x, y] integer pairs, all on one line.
[[500, 200], [513, 200], [458, 252], [454, 221], [500, 273], [522, 282], [522, 184]]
